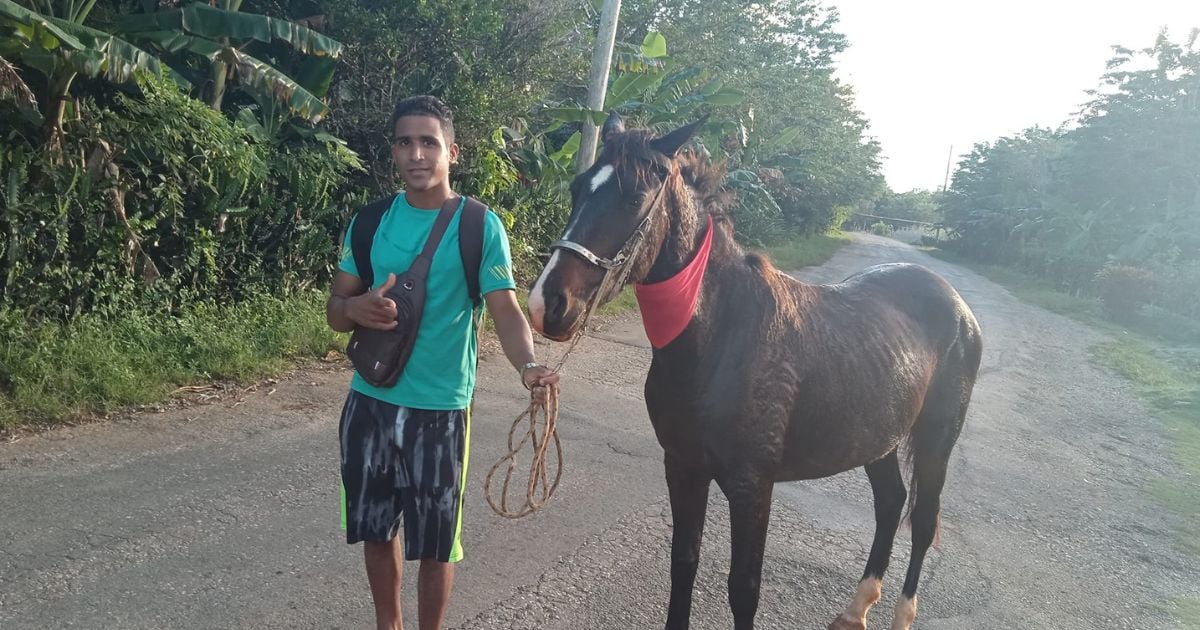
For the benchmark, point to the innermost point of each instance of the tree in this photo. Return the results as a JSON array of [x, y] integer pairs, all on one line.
[[780, 53], [1119, 190], [914, 205], [1134, 160], [490, 60], [1001, 193]]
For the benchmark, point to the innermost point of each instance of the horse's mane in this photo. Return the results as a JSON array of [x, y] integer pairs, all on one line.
[[631, 151]]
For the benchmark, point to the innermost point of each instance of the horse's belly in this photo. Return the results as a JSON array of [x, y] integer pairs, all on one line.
[[821, 455]]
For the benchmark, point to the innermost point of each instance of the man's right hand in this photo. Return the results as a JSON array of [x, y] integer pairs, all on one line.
[[372, 309]]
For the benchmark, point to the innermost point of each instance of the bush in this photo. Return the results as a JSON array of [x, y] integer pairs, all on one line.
[[1124, 289], [882, 229], [163, 202], [1179, 289]]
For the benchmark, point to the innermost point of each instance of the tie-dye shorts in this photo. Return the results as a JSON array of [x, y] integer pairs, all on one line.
[[404, 467]]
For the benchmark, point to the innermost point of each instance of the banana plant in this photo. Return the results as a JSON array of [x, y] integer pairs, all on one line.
[[650, 89], [49, 37], [221, 33], [13, 87]]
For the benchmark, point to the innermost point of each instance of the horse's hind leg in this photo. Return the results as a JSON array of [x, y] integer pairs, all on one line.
[[689, 502], [928, 478], [933, 438], [888, 488]]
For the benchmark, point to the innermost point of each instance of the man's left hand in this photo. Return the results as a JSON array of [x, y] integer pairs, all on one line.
[[538, 380]]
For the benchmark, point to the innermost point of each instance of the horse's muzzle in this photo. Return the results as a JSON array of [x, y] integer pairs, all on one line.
[[556, 310], [558, 318]]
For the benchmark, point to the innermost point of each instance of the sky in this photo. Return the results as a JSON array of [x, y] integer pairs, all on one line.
[[931, 74]]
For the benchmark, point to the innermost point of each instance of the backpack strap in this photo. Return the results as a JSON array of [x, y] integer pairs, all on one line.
[[470, 245], [439, 228], [362, 234]]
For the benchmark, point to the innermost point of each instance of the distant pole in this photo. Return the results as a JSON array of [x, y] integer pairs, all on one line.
[[606, 38], [949, 159]]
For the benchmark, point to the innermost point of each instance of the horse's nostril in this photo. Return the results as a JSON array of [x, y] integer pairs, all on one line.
[[556, 304]]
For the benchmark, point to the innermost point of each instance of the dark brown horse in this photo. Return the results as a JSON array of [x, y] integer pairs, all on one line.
[[772, 379]]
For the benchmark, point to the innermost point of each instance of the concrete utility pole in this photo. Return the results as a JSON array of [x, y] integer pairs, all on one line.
[[949, 161], [598, 82]]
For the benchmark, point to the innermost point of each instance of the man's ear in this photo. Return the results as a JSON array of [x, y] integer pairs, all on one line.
[[454, 152]]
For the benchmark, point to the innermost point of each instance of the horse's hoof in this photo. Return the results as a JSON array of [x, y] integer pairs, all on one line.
[[845, 622]]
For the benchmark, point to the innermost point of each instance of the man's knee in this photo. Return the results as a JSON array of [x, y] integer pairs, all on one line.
[[433, 565]]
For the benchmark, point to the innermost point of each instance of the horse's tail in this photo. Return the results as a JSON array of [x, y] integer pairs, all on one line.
[[944, 411]]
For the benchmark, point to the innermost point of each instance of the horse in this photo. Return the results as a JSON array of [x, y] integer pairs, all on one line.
[[766, 379]]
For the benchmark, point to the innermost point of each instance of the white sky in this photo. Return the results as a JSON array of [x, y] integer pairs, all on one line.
[[929, 74]]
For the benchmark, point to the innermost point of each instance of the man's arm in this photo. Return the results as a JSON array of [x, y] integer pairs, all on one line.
[[516, 338], [349, 305]]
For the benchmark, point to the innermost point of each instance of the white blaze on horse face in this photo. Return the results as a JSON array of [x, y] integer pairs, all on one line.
[[602, 176], [537, 296]]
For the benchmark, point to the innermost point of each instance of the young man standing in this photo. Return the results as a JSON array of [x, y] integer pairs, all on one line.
[[404, 448]]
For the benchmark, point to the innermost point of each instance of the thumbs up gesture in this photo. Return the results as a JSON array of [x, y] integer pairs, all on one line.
[[373, 309]]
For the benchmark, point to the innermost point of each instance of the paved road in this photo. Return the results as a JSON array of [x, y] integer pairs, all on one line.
[[225, 515]]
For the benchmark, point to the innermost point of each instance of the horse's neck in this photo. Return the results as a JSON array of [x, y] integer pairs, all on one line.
[[737, 291], [726, 274], [685, 230]]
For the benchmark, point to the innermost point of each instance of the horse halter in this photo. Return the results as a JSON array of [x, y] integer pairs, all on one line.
[[628, 252]]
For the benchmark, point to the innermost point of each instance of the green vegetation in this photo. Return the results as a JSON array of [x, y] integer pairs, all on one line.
[[1161, 357], [1152, 323], [1169, 382], [98, 363], [1108, 206], [169, 164], [807, 251]]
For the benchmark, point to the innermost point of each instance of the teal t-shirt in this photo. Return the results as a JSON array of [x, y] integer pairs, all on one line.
[[440, 374]]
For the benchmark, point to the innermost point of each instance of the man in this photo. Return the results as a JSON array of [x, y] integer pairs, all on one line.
[[404, 448]]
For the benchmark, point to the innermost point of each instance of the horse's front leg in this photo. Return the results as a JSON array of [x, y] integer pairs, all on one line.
[[689, 502], [749, 513]]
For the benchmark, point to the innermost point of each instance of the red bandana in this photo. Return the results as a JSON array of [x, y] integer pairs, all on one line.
[[667, 307]]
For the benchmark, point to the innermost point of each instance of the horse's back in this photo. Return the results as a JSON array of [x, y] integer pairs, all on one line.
[[919, 293]]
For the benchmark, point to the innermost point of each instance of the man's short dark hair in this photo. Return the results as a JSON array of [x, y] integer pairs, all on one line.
[[425, 106]]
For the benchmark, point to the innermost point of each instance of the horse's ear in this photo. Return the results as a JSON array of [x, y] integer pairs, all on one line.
[[613, 125], [670, 144]]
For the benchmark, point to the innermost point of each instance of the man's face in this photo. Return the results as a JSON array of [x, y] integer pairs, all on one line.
[[420, 152]]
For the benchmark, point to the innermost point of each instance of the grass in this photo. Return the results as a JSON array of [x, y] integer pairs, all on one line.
[[1171, 386], [623, 303], [1153, 323], [1172, 390], [1187, 610], [1160, 356], [807, 251], [1031, 289], [100, 364], [96, 365]]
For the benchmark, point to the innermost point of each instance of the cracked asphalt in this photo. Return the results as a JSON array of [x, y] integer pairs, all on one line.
[[225, 515]]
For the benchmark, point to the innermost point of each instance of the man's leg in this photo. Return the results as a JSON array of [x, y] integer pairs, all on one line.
[[385, 568], [371, 474], [434, 583], [435, 445]]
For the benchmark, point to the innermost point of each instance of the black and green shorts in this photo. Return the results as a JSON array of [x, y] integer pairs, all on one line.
[[404, 468]]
